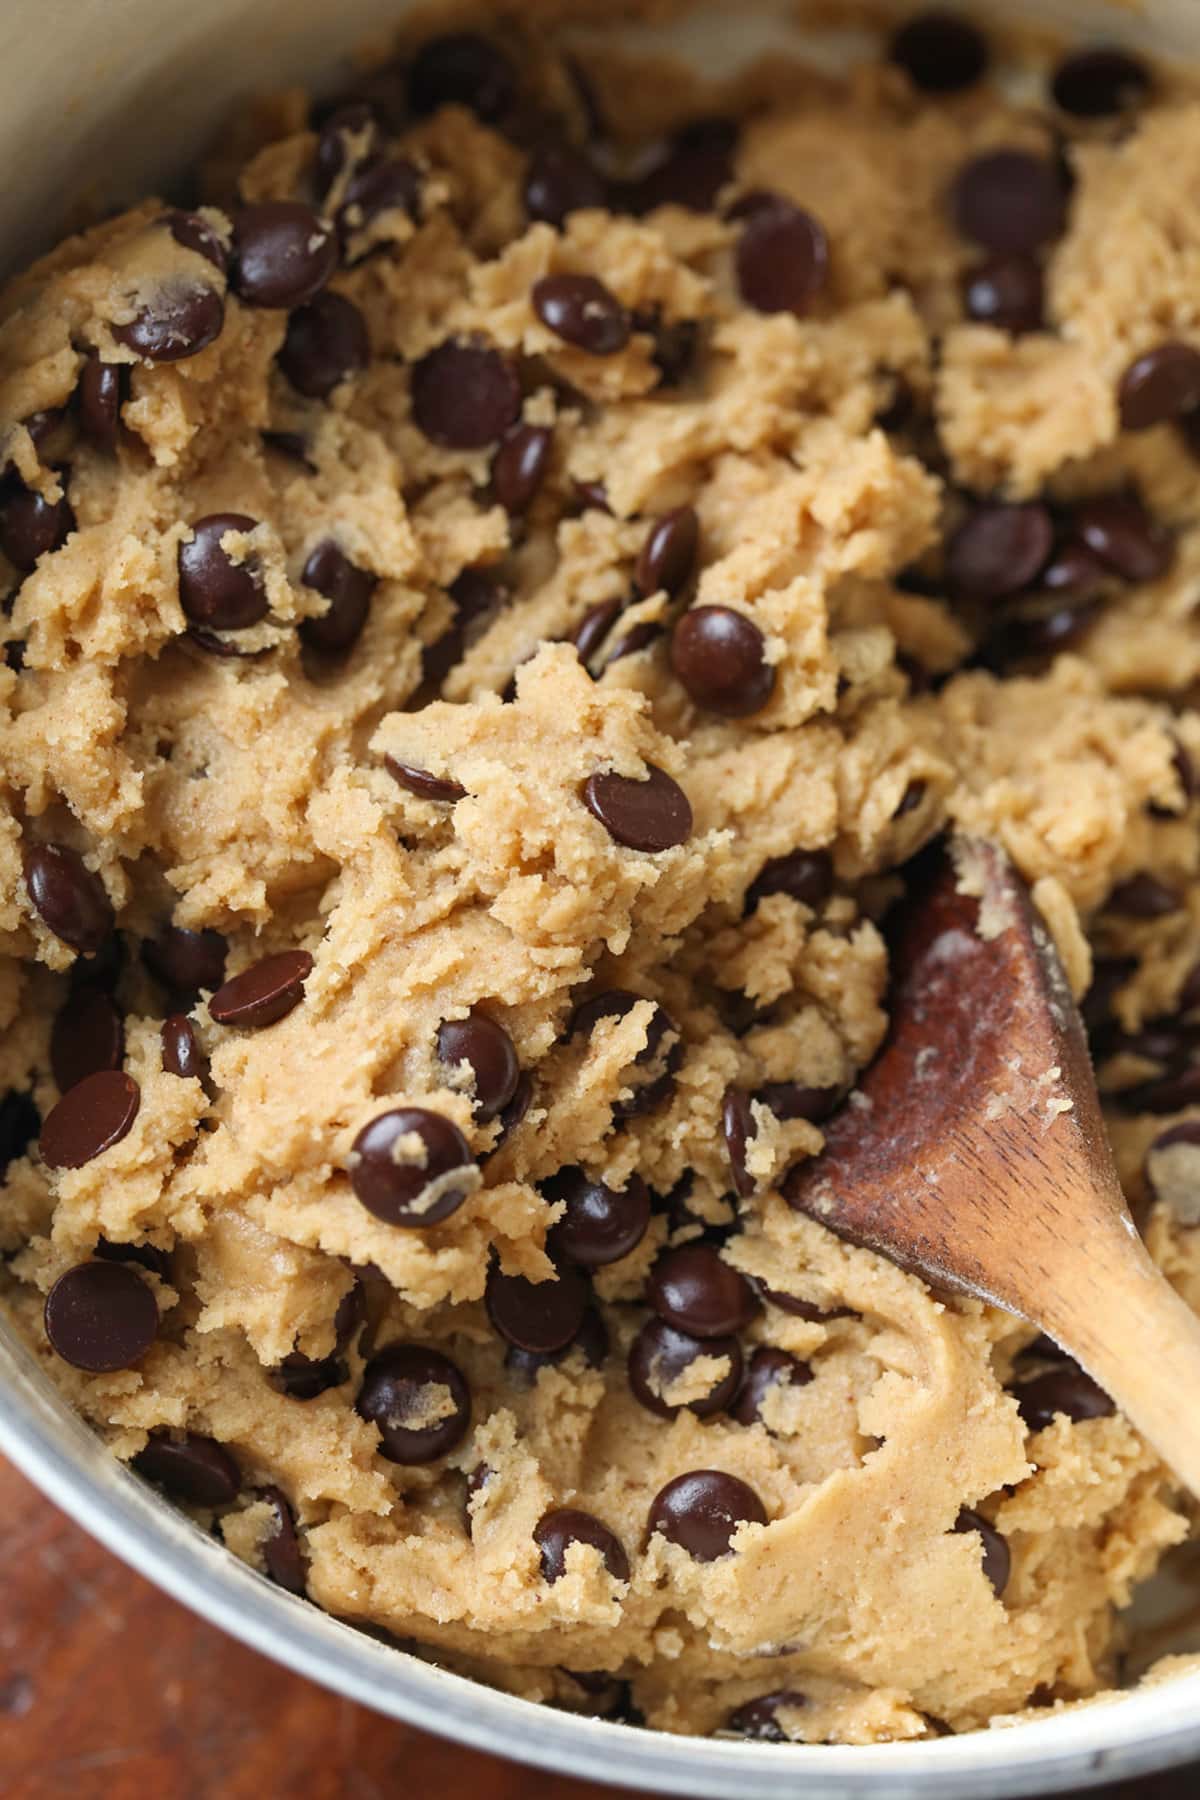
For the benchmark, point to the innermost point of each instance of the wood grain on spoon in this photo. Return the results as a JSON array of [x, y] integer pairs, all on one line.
[[974, 1152]]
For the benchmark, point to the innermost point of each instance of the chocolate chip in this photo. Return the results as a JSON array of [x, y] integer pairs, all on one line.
[[675, 345], [69, 899], [1074, 571], [218, 590], [101, 971], [348, 590], [668, 556], [720, 656], [383, 185], [594, 627], [475, 594], [181, 1052], [520, 465], [737, 1011], [263, 993], [805, 875], [146, 1256], [563, 1526], [281, 1550], [768, 1368], [31, 527], [591, 1341], [759, 1719], [559, 181], [181, 318], [438, 788], [477, 1480], [101, 1316], [326, 342], [702, 1510], [336, 143], [1189, 432], [997, 1558], [712, 132], [660, 1355], [1162, 384], [601, 1224], [214, 645], [652, 815], [1065, 1390], [88, 1035], [999, 549], [1189, 994], [1118, 529], [738, 1129], [412, 1167], [490, 1056], [697, 1291], [694, 172], [465, 395], [940, 52], [1109, 975], [514, 1112], [607, 1697], [1093, 84], [583, 312], [1144, 896], [1010, 201], [592, 496], [419, 1400], [1005, 291], [351, 1312], [638, 637], [292, 444], [193, 231], [781, 260], [98, 399], [462, 69], [1172, 1094], [191, 1467], [305, 1378], [186, 961], [90, 1118], [283, 254], [1172, 1170], [792, 1100], [19, 1125], [537, 1315]]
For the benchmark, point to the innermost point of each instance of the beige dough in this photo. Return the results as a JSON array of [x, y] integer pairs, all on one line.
[[250, 795]]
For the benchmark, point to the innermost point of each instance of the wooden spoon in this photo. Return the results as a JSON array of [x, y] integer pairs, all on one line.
[[974, 1153]]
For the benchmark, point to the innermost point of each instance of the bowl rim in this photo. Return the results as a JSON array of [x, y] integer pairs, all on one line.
[[1130, 1734]]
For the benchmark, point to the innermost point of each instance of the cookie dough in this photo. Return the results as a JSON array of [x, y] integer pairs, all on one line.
[[496, 594]]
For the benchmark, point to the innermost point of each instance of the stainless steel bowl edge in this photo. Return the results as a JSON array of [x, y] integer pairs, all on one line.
[[132, 89]]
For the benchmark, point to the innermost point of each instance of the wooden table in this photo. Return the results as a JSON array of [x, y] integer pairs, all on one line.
[[110, 1691]]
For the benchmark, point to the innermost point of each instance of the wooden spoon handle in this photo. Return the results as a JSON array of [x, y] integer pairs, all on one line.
[[1124, 1322]]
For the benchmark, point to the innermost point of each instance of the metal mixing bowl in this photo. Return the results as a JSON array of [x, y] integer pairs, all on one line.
[[132, 88]]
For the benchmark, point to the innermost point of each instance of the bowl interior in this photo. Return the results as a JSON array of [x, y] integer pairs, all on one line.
[[135, 90]]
